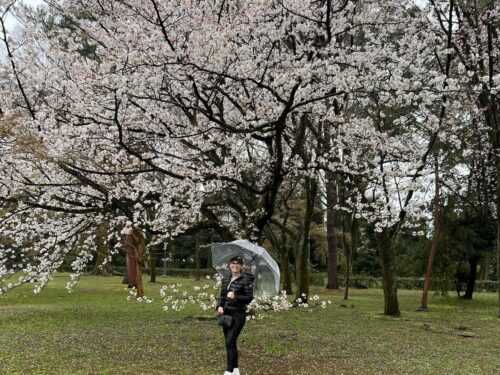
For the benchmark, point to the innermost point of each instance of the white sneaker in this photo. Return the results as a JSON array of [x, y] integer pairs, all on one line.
[[228, 373], [236, 371]]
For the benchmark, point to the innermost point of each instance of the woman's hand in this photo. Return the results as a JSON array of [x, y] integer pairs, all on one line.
[[221, 310], [230, 295]]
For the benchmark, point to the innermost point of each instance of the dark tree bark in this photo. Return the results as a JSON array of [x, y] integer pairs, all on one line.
[[471, 280], [350, 248], [389, 280], [498, 234], [197, 255], [489, 105], [286, 277], [131, 272], [498, 224], [281, 246], [138, 248], [152, 261], [151, 256], [303, 251], [435, 237], [331, 201]]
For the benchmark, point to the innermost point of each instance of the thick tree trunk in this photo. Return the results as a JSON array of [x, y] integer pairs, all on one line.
[[471, 281], [435, 238], [389, 281], [303, 252], [130, 275], [331, 201], [302, 271], [134, 245]]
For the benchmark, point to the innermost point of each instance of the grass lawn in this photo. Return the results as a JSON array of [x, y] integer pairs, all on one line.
[[95, 330]]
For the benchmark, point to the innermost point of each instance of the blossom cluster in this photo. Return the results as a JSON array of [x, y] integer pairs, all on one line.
[[176, 299], [204, 297]]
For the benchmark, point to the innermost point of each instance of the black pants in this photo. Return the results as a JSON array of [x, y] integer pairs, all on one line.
[[231, 334]]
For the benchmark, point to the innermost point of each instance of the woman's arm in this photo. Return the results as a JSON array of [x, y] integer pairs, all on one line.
[[223, 294]]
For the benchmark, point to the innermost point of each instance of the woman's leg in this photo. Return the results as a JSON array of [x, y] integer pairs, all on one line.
[[226, 333], [231, 335]]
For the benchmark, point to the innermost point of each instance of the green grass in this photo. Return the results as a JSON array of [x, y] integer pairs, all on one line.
[[95, 330]]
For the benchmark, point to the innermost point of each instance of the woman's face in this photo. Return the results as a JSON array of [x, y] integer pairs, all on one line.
[[235, 267]]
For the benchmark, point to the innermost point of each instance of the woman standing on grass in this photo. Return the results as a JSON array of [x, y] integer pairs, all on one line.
[[236, 294]]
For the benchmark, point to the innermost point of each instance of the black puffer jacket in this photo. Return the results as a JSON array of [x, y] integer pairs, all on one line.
[[243, 292]]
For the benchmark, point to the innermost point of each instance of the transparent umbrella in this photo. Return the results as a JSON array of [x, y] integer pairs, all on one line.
[[256, 261]]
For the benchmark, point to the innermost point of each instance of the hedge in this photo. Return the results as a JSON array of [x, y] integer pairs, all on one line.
[[417, 283], [357, 281]]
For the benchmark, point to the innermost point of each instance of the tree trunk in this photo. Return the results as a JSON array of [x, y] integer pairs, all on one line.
[[435, 237], [389, 281], [302, 259], [130, 275], [139, 261], [151, 214], [484, 267], [152, 261], [280, 246], [169, 252], [331, 201], [285, 260], [471, 281], [197, 255], [134, 245], [102, 249], [491, 108], [350, 248], [348, 256], [286, 277], [125, 274], [498, 227], [151, 255], [498, 233]]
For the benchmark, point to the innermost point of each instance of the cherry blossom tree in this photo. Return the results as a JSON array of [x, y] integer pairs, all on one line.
[[475, 44], [184, 105]]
